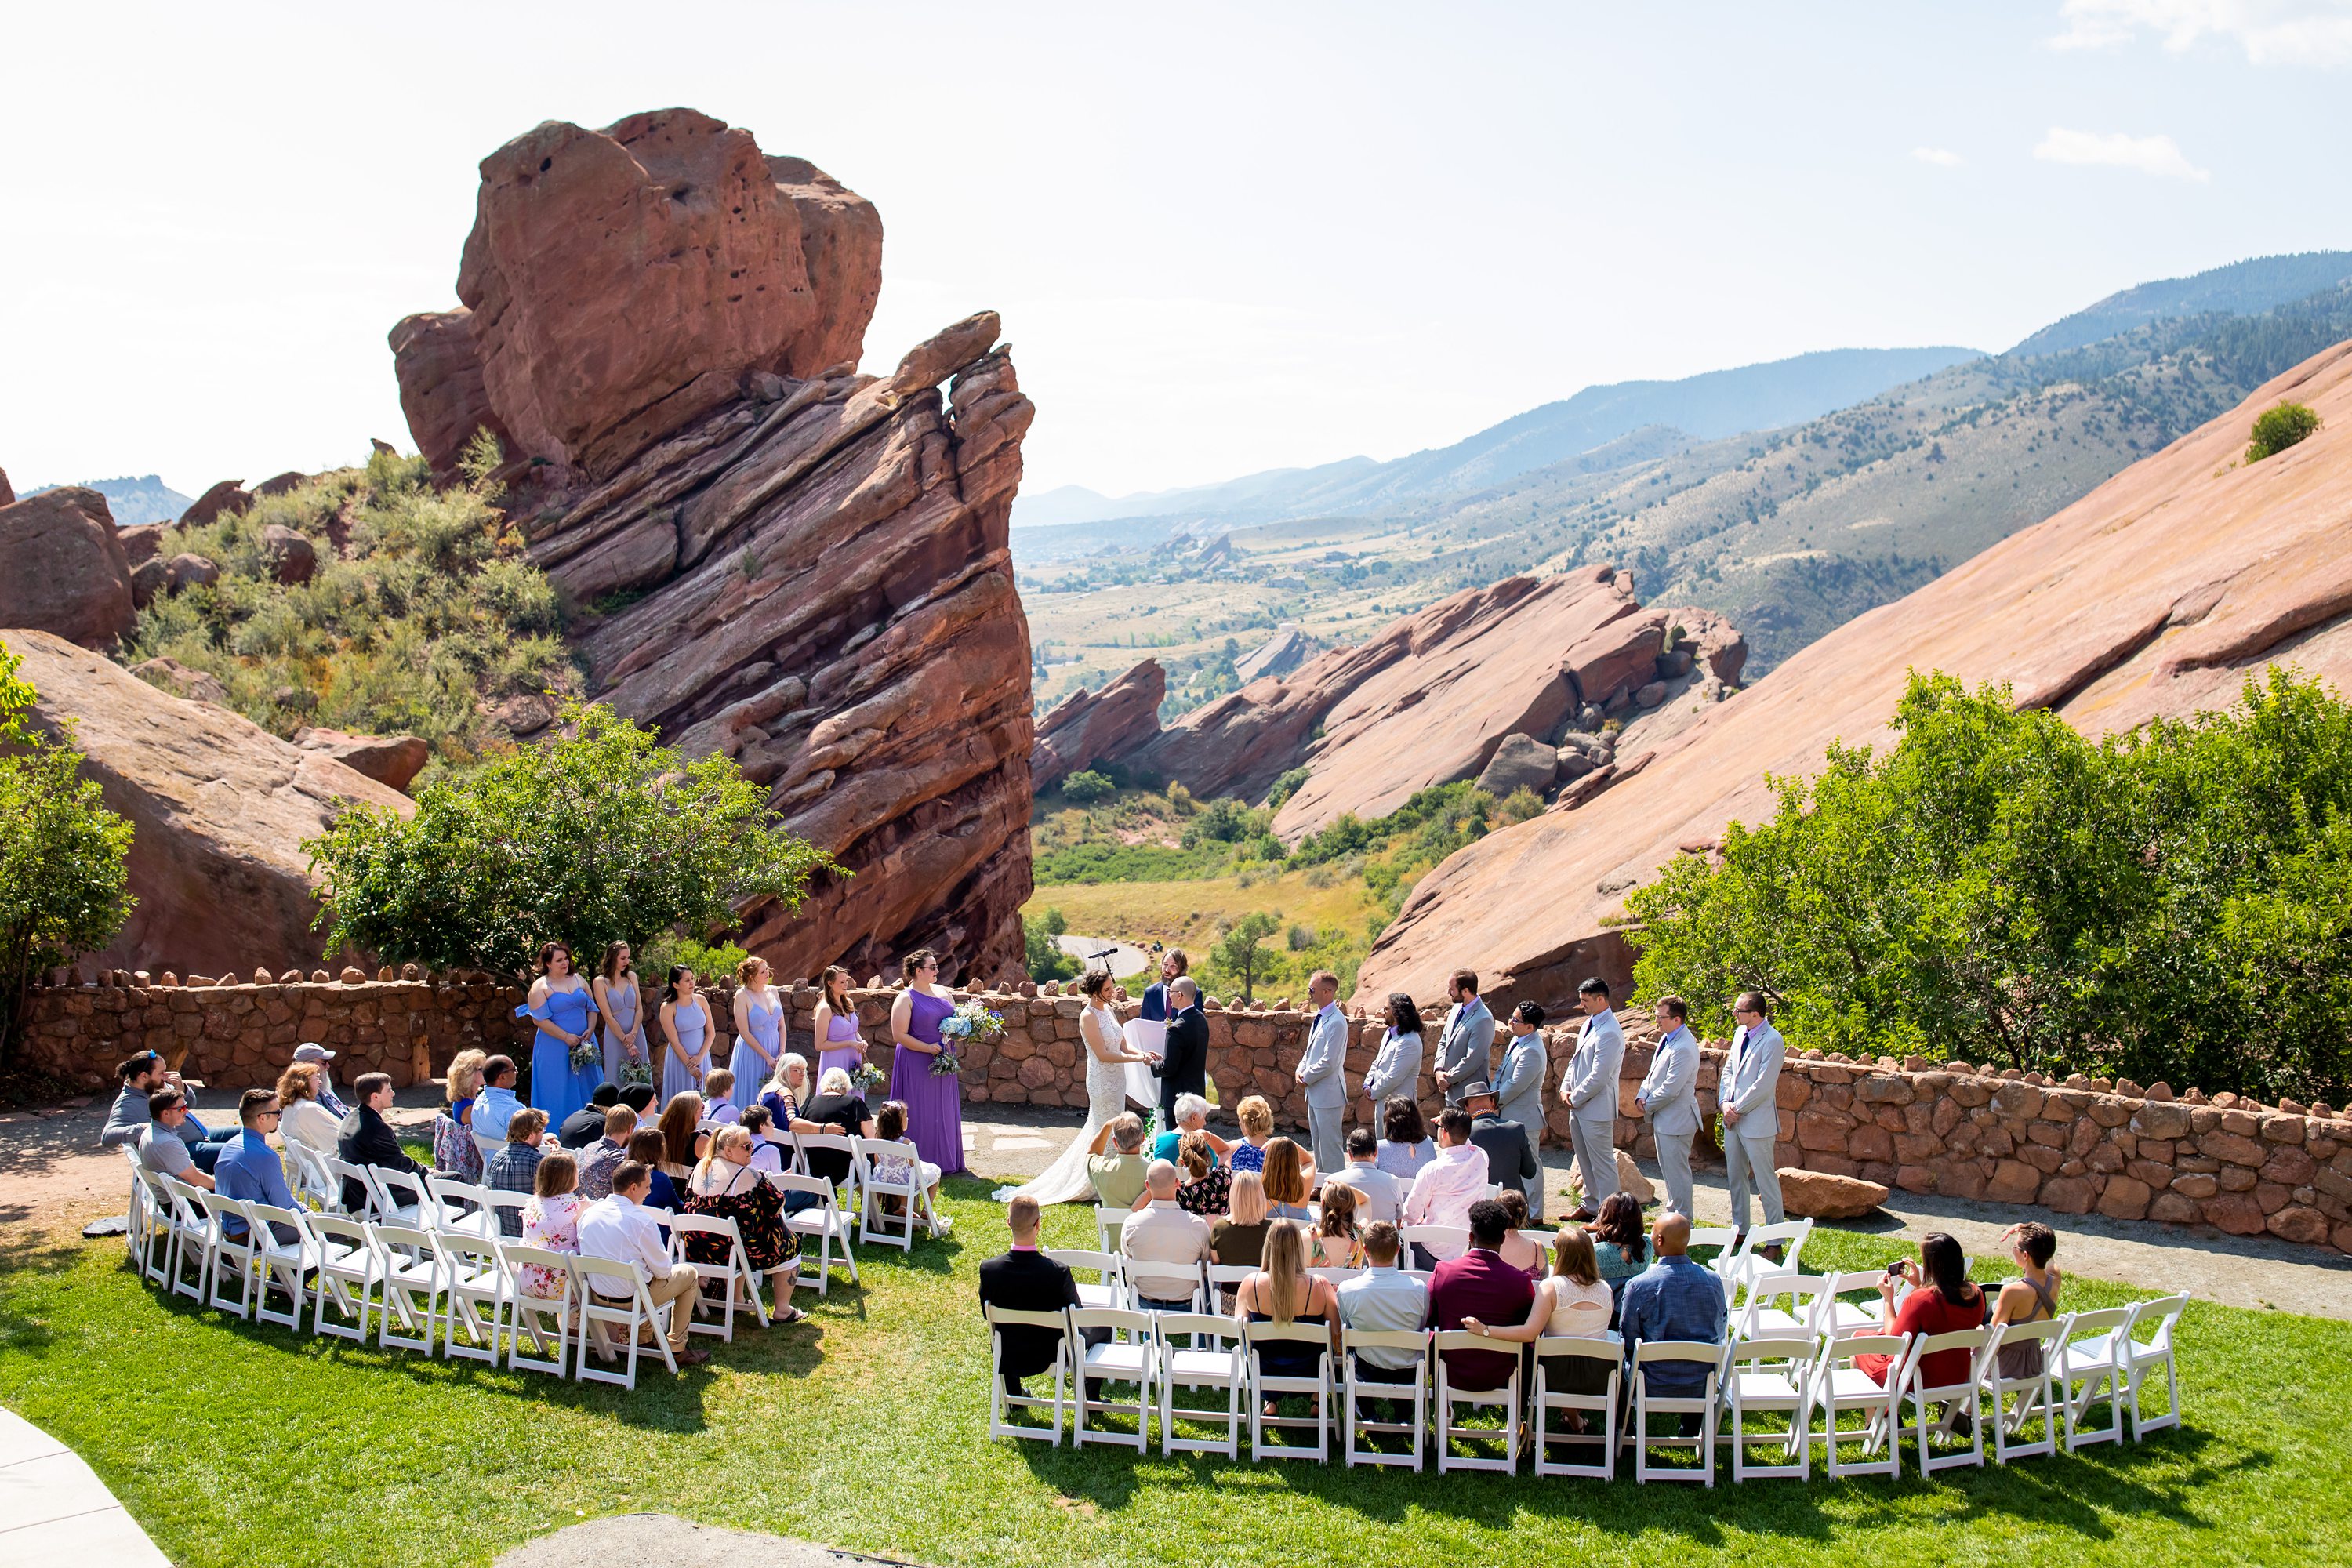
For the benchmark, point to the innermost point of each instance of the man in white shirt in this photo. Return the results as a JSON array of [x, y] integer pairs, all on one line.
[[1163, 1246], [1384, 1298], [1322, 1071], [1444, 1190], [1669, 1097], [1380, 1195], [1589, 1092], [1749, 1095], [620, 1227]]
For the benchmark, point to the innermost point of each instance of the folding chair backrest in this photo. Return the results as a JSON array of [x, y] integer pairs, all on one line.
[[1223, 1331], [2153, 1325], [222, 1210], [1110, 1224], [1259, 1335], [1336, 1275], [339, 1234], [602, 1278], [342, 1172], [2050, 1334], [417, 1243], [1443, 1234], [1972, 1341], [1414, 1340], [1106, 1265], [1826, 1301], [311, 1177], [397, 1190], [1797, 1349], [798, 1182]]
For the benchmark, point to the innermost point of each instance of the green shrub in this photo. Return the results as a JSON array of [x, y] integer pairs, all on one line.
[[1522, 805], [1285, 787], [2277, 429], [1087, 787], [710, 962], [1041, 954]]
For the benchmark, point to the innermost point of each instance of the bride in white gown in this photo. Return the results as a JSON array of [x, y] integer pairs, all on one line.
[[1108, 1054]]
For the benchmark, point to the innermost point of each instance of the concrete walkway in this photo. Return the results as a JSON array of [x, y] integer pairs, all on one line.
[[55, 1514]]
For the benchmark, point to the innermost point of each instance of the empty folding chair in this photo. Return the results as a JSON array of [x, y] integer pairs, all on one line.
[[350, 1278], [313, 1183], [1289, 1342], [1556, 1358], [1928, 1384], [475, 1279], [1738, 1264], [1358, 1391], [1720, 1236], [1131, 1355], [613, 1295], [462, 1208], [1772, 1376], [232, 1254], [1703, 1362], [356, 1193], [1215, 1356], [285, 1255], [1003, 1402], [194, 1236], [1111, 1224], [738, 1285], [1836, 1318], [410, 1263], [2141, 1357], [543, 1296], [893, 1175], [2091, 1366], [822, 1223], [1780, 1303], [1452, 1342], [1107, 1289], [2014, 1402], [1842, 1388]]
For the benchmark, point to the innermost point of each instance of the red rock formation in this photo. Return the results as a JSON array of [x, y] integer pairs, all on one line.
[[7, 492], [65, 570], [229, 496], [1089, 727], [2158, 594], [441, 391], [392, 761]]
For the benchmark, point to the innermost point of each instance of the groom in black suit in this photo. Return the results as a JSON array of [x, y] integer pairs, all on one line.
[[1184, 1069]]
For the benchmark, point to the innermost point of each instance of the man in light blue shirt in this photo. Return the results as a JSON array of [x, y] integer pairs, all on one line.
[[1322, 1072], [1384, 1298], [1669, 1097], [496, 1105], [248, 1169], [1673, 1298]]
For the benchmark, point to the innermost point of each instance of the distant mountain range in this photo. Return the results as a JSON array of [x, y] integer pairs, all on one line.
[[2241, 289], [135, 501]]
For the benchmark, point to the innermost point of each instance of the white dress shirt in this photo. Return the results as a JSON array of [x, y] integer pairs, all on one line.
[[1385, 1300], [623, 1230], [1444, 1190], [1160, 1233]]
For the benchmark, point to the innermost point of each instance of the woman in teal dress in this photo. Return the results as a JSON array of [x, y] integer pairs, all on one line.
[[565, 1011]]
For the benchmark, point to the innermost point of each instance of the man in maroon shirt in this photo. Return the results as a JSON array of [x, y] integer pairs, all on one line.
[[1479, 1284]]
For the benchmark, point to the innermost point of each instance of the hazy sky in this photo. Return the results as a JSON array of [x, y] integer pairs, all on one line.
[[1223, 238]]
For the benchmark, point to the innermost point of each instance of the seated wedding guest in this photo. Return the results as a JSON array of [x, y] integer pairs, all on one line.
[[639, 1098], [603, 1157], [787, 1091], [1479, 1284], [1335, 1244], [550, 1221], [1256, 1118], [1617, 1247], [1118, 1175], [1288, 1177], [1404, 1145], [1023, 1280], [515, 1167], [767, 1154], [1672, 1298], [899, 1170], [1192, 1116], [725, 1186], [1207, 1185], [2031, 1297], [620, 1227], [303, 1120], [1446, 1187], [367, 1138], [1163, 1246], [648, 1148], [497, 1102], [839, 1110], [1384, 1298], [682, 1136], [1937, 1298], [310, 1051], [1572, 1301], [455, 1152], [1284, 1292], [585, 1125], [249, 1170], [161, 1147], [1379, 1194], [720, 1085], [141, 1075], [1510, 1148], [1239, 1238], [1518, 1250]]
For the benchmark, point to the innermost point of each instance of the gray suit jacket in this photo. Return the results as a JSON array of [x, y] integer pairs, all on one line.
[[1462, 1049], [1592, 1072], [1670, 1089], [1322, 1070], [1751, 1083], [1396, 1069], [1519, 1081]]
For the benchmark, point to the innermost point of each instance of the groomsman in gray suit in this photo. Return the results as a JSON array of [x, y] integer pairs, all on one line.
[[1520, 1086], [1589, 1093], [1749, 1095], [1669, 1097], [1469, 1035], [1322, 1073]]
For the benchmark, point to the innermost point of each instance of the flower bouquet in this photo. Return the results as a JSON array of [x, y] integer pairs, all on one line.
[[969, 1024], [866, 1075], [634, 1070], [587, 1053]]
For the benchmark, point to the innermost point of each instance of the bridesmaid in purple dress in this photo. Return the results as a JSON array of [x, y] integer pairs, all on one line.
[[838, 1040], [934, 1104]]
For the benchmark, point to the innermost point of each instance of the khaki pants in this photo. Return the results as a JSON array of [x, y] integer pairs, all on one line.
[[682, 1288]]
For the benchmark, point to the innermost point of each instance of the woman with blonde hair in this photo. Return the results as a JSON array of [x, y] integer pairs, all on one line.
[[725, 1186], [303, 1120], [1286, 1180], [1336, 1243], [1239, 1238], [1257, 1118], [839, 1043], [455, 1152], [759, 1027], [1575, 1301], [551, 1220], [1283, 1293]]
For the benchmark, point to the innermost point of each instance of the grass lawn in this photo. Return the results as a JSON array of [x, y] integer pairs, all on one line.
[[235, 1444], [1185, 914]]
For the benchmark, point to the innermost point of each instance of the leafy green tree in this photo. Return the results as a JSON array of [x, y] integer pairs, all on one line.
[[2277, 429], [599, 835], [1284, 788], [63, 884], [1042, 953], [1240, 959], [1086, 786]]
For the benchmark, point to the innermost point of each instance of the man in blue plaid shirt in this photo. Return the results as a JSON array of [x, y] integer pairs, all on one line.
[[514, 1168]]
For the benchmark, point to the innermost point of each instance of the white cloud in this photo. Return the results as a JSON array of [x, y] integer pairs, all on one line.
[[1942, 157], [2148, 154], [2271, 32]]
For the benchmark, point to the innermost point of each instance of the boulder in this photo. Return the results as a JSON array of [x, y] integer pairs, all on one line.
[[279, 484], [185, 571], [524, 714], [1521, 762], [1280, 654], [229, 497], [8, 491], [841, 243], [1570, 762], [439, 367], [392, 761], [1087, 727], [219, 807], [65, 570], [2210, 571], [1709, 639], [1631, 1181], [291, 557], [140, 544], [148, 578], [171, 676], [1817, 1194]]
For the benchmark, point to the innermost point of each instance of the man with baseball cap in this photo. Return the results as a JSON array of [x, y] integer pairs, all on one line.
[[310, 1051]]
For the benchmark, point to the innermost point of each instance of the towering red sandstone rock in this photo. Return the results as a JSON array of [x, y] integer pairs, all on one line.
[[441, 390], [1090, 726], [62, 569], [2158, 594]]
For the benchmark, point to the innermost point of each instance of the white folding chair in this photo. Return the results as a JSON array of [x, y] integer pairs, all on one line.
[[1338, 1276], [822, 1223], [1002, 1402], [1110, 1224], [1959, 1400], [1835, 1317], [1505, 1399], [1456, 1237], [279, 1261], [410, 1263], [402, 1199], [1216, 1279], [1772, 1376], [543, 1320], [854, 1180], [485, 1145], [1740, 1263], [1109, 1291], [741, 1285], [313, 1183], [2034, 1393], [230, 1250], [602, 1306], [192, 1238], [1842, 1388], [1780, 1303], [1554, 1354], [2091, 1365], [909, 1185], [2141, 1357], [1720, 1236], [478, 1286], [1215, 1356], [462, 1208], [505, 1211], [350, 1278], [1655, 1352], [1265, 1386], [155, 1233], [341, 1171], [1131, 1355], [134, 1212], [1358, 1391]]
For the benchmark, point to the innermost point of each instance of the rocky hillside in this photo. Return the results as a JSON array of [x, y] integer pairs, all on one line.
[[2157, 594]]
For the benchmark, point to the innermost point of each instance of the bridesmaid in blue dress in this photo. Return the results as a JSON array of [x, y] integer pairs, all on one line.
[[686, 1035], [624, 1024], [759, 1030], [934, 1102], [565, 1012]]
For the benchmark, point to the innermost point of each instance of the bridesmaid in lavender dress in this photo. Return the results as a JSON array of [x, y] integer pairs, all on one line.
[[838, 1043], [934, 1104]]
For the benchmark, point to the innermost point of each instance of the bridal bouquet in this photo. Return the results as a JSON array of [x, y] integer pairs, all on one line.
[[866, 1075], [636, 1069], [587, 1053], [971, 1022]]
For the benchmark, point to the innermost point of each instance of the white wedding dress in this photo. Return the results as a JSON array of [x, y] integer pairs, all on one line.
[[1065, 1181]]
